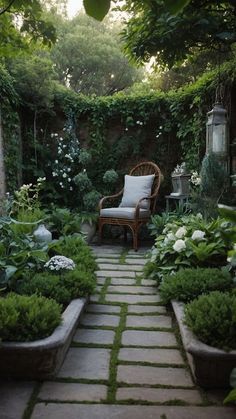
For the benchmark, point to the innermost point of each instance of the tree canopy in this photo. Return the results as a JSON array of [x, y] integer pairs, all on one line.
[[151, 30], [88, 57]]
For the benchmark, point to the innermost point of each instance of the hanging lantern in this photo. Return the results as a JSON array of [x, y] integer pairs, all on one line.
[[217, 134]]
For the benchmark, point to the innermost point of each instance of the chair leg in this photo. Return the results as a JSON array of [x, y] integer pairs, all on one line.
[[135, 239]]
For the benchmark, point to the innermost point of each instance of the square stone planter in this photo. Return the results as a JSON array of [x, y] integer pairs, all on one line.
[[210, 366], [42, 358]]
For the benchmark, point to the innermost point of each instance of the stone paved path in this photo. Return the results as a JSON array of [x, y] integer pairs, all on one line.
[[124, 362]]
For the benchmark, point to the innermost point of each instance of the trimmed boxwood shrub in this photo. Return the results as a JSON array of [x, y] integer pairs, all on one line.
[[62, 287], [188, 284], [212, 318], [24, 318], [75, 247]]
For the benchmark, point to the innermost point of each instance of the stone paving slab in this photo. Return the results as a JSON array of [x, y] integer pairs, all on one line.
[[89, 363], [105, 337], [108, 260], [149, 282], [14, 396], [107, 249], [131, 289], [136, 309], [158, 395], [148, 338], [100, 320], [72, 392], [94, 298], [139, 374], [101, 281], [135, 261], [98, 289], [123, 281], [132, 299], [153, 356], [148, 321], [115, 274], [102, 411], [119, 267], [102, 308]]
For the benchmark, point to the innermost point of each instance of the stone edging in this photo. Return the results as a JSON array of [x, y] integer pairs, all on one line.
[[41, 358], [210, 366]]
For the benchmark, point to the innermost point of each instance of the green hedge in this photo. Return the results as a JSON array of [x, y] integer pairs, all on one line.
[[188, 284], [26, 319], [212, 318]]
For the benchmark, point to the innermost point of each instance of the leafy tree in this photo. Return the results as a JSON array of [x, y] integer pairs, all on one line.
[[153, 31], [22, 21], [89, 59], [35, 80]]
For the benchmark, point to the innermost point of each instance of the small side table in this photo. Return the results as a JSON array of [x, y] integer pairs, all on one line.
[[181, 199]]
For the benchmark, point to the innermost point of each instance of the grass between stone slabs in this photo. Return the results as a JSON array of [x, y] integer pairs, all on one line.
[[151, 329], [32, 401], [151, 364], [102, 295], [112, 383], [123, 256]]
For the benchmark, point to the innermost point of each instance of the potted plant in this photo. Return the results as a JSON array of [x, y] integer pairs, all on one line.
[[180, 180], [208, 331]]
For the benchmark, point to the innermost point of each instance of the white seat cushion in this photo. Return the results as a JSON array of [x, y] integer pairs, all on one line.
[[137, 187], [127, 213]]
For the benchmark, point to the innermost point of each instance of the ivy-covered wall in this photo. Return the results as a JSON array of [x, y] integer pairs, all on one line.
[[121, 130]]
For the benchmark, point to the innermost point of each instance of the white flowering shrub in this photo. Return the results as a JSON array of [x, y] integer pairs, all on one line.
[[189, 242], [58, 263]]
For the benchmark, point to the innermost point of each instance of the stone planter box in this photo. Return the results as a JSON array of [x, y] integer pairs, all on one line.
[[42, 358], [210, 366]]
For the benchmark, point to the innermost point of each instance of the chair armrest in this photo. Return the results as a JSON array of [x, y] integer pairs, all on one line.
[[137, 208], [105, 198]]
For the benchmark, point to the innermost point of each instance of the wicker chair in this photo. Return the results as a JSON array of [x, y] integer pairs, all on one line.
[[136, 216]]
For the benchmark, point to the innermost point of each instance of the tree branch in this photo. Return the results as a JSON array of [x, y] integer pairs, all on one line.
[[6, 8]]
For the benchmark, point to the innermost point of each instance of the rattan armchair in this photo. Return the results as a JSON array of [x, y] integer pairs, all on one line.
[[136, 216]]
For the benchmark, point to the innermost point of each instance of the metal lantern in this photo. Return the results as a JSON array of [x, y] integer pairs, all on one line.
[[217, 134]]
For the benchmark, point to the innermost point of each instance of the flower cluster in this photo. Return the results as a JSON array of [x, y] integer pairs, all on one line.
[[27, 197], [180, 169], [190, 241], [66, 162], [58, 263], [195, 178]]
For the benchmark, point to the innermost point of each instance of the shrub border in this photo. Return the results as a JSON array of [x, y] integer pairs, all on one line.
[[42, 358]]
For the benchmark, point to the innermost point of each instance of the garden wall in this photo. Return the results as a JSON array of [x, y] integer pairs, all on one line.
[[121, 130]]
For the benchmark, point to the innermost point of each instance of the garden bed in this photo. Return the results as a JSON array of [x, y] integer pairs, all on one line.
[[210, 366], [42, 358]]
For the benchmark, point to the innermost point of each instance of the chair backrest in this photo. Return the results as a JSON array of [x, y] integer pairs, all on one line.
[[149, 168]]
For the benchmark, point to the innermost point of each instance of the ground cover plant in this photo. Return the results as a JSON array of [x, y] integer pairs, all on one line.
[[187, 284]]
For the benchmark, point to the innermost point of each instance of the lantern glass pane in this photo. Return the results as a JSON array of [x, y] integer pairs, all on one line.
[[219, 139]]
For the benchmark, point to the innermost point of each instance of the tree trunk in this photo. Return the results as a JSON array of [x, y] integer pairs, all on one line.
[[2, 167]]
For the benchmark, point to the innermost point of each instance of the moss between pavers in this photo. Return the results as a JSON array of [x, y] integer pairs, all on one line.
[[114, 356], [103, 291], [31, 403]]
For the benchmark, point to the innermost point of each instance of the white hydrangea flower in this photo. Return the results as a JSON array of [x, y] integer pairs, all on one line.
[[181, 232], [179, 245], [58, 262], [169, 237], [198, 235]]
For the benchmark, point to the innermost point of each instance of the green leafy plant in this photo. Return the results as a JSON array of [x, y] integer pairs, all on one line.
[[231, 398], [17, 253], [63, 221], [187, 284], [24, 318], [76, 248], [212, 319], [62, 287], [189, 242]]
